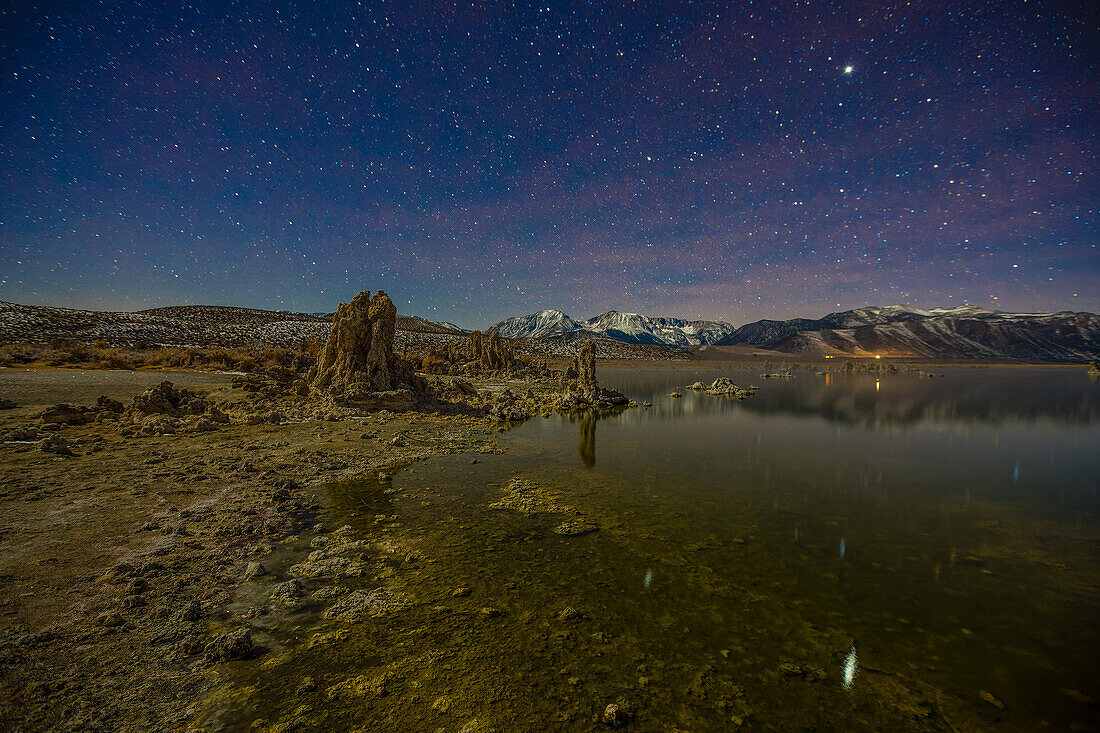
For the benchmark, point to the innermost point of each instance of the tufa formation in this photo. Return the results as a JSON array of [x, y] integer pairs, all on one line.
[[495, 355], [586, 391], [357, 365], [474, 346], [480, 354], [585, 364]]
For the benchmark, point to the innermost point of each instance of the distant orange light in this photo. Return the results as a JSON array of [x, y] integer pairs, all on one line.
[[877, 356]]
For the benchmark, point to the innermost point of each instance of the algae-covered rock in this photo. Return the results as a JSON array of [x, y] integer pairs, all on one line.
[[575, 527], [362, 604], [234, 645], [526, 497]]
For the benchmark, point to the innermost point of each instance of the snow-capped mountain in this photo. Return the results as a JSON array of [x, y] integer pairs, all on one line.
[[640, 329], [544, 324], [453, 327], [962, 332], [628, 327]]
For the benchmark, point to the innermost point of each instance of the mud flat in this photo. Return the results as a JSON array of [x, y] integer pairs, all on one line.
[[119, 563], [38, 388]]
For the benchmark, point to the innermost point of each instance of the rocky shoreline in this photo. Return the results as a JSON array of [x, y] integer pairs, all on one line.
[[125, 551], [131, 530]]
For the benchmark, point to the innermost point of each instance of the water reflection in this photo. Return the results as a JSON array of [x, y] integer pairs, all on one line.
[[961, 395], [851, 667], [975, 569], [587, 445]]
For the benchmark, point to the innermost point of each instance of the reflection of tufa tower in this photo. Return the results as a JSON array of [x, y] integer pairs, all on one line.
[[588, 438]]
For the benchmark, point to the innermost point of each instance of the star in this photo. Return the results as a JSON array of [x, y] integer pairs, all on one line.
[[573, 181]]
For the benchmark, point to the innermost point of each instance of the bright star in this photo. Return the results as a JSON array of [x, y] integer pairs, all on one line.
[[848, 69]]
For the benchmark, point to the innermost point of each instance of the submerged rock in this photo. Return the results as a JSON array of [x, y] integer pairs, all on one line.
[[526, 497], [234, 645], [254, 570], [570, 614], [616, 715], [191, 612], [361, 604], [327, 567], [575, 528], [109, 619], [988, 697], [328, 593], [288, 592]]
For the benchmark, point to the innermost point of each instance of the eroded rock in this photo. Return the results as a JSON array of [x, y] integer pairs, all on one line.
[[722, 387], [357, 365], [587, 386], [66, 414], [55, 444], [587, 391]]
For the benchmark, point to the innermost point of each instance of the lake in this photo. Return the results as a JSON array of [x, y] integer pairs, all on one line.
[[838, 552]]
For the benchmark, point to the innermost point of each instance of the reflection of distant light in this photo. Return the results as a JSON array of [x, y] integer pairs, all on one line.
[[876, 385], [851, 664], [842, 547], [1016, 472], [648, 578]]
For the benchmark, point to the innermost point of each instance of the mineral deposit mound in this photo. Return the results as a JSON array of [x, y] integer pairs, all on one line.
[[357, 366]]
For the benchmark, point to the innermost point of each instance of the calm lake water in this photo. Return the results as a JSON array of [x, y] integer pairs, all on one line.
[[838, 552]]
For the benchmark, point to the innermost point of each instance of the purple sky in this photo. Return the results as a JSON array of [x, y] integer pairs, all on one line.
[[704, 160]]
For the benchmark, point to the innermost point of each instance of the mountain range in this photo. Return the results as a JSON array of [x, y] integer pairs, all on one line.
[[962, 332], [629, 327]]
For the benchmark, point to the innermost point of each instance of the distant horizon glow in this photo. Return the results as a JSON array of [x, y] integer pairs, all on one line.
[[692, 160]]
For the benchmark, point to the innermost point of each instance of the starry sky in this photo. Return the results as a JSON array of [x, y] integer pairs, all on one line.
[[479, 160]]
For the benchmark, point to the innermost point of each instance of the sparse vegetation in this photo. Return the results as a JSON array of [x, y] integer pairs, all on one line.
[[254, 357]]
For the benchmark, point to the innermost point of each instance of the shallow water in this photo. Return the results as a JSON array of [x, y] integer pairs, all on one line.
[[839, 551]]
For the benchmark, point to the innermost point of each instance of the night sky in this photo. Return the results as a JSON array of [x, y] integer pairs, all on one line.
[[480, 160]]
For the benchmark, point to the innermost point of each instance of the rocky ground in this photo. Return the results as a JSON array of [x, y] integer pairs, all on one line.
[[122, 545]]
